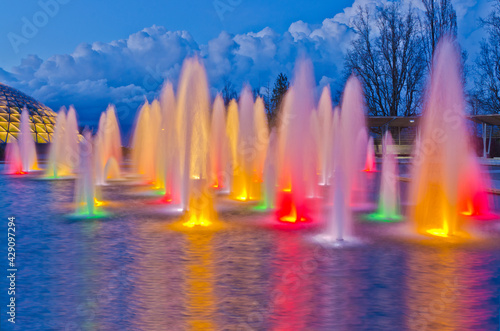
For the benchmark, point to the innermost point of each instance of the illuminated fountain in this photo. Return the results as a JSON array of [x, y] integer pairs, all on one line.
[[108, 156], [339, 214], [444, 155], [145, 141], [325, 122], [296, 141], [354, 141], [261, 145], [473, 200], [218, 145], [193, 104], [27, 150], [87, 204], [14, 165], [232, 127], [370, 165], [389, 200], [268, 199], [249, 143], [64, 155], [168, 167]]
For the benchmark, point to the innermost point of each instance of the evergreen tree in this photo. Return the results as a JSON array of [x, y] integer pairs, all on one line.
[[281, 86]]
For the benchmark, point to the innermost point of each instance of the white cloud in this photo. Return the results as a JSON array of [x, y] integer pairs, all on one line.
[[127, 70]]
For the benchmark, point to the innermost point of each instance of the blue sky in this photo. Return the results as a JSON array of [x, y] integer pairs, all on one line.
[[88, 21], [91, 53]]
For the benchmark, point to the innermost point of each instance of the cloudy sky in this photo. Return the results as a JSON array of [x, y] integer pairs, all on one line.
[[91, 53]]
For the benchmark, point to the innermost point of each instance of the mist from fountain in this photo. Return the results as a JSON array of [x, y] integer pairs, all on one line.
[[232, 128], [14, 164], [296, 144], [389, 207], [86, 201], [444, 155], [193, 104], [325, 121], [268, 198], [26, 144], [145, 141], [108, 146], [354, 142], [218, 145], [371, 165], [64, 154], [168, 167]]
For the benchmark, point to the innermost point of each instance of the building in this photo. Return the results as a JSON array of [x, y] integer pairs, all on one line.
[[12, 102]]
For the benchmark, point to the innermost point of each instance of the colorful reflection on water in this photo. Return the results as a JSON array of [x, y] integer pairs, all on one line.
[[131, 271]]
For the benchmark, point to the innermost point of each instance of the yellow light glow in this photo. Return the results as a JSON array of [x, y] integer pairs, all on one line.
[[292, 217], [438, 232], [470, 209], [98, 203]]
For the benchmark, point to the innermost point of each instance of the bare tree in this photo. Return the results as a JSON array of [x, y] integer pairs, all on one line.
[[228, 92], [440, 20], [486, 93], [390, 61]]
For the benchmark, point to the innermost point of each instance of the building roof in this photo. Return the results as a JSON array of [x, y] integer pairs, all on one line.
[[402, 121], [12, 102]]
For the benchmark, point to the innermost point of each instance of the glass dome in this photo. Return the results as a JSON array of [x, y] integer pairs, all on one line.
[[12, 102]]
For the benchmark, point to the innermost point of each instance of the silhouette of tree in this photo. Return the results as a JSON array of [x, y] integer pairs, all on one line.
[[389, 60], [486, 93], [281, 86], [228, 92]]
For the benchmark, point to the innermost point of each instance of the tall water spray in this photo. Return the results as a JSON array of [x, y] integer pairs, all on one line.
[[232, 127], [325, 133], [443, 157], [218, 145], [268, 196], [389, 198], [14, 165], [85, 188], [339, 218], [145, 141], [295, 148], [261, 145], [26, 143], [370, 165], [108, 155], [244, 188], [55, 164], [193, 126], [354, 141], [168, 167], [64, 154]]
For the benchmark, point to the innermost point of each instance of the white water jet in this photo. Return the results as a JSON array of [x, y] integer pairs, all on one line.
[[108, 153], [297, 167], [339, 213], [370, 165], [26, 143], [14, 165], [325, 120], [85, 188], [389, 199], [354, 141], [169, 147], [218, 145], [55, 165]]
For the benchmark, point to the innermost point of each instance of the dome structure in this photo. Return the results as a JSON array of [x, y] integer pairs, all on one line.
[[12, 102]]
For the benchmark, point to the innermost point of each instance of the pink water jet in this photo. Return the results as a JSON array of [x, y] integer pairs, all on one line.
[[297, 168]]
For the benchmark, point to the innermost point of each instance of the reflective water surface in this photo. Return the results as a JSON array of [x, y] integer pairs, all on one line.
[[131, 271]]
